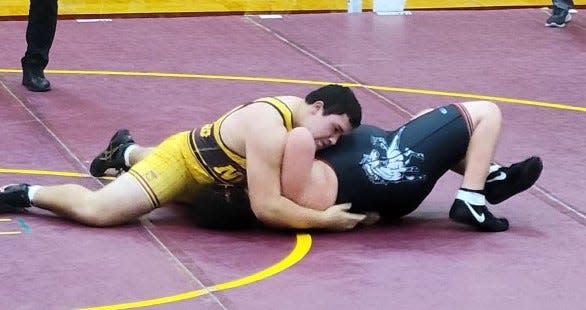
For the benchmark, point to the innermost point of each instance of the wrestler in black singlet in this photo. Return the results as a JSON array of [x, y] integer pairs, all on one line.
[[393, 171]]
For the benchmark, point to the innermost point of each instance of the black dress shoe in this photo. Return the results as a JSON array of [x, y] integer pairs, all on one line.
[[35, 80]]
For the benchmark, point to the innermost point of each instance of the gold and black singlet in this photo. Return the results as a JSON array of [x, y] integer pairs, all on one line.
[[221, 163]]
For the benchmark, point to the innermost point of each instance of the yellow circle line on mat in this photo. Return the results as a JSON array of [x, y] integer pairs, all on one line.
[[302, 247], [542, 104]]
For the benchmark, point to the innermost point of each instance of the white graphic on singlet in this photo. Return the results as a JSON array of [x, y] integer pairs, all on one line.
[[389, 164]]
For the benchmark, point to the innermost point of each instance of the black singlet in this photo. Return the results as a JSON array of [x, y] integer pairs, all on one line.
[[393, 171]]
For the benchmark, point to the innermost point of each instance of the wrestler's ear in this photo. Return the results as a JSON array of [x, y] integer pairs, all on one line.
[[317, 107]]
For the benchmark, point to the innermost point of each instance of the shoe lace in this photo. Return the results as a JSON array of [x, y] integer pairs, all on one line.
[[107, 155]]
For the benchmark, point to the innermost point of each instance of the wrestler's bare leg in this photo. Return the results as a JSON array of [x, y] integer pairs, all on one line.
[[469, 206], [118, 202], [513, 179], [486, 125], [137, 153]]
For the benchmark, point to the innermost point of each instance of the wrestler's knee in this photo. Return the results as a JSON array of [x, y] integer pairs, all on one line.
[[492, 108], [481, 110], [493, 112], [93, 211]]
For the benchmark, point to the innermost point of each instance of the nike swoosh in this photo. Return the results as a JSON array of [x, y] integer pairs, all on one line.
[[501, 176], [479, 217]]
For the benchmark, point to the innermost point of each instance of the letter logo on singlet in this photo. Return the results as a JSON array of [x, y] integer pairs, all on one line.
[[205, 130], [388, 163], [151, 175], [229, 173]]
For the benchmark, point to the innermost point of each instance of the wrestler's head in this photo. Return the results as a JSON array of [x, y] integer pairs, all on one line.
[[334, 111]]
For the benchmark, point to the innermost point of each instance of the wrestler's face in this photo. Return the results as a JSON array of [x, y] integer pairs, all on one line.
[[326, 129]]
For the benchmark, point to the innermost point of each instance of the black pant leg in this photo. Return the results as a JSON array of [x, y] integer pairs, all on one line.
[[40, 31], [563, 4]]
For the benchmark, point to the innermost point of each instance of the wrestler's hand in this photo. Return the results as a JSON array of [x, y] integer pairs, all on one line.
[[338, 217], [370, 218]]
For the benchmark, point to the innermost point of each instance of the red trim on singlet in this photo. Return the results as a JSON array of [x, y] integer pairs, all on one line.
[[466, 116]]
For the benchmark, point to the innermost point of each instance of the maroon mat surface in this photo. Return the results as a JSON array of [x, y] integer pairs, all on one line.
[[424, 261]]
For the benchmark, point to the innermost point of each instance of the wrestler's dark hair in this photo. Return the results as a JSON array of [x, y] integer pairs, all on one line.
[[338, 100], [218, 207]]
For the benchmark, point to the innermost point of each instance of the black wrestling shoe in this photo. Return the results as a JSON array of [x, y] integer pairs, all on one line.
[[34, 80], [477, 216], [506, 182], [113, 156], [14, 197]]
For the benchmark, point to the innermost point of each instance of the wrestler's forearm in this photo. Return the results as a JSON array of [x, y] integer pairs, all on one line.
[[284, 213]]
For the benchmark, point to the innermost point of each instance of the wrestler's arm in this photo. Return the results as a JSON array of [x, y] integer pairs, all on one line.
[[264, 158], [298, 160], [296, 177]]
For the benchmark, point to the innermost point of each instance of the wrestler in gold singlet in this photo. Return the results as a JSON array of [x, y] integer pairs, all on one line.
[[187, 160]]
